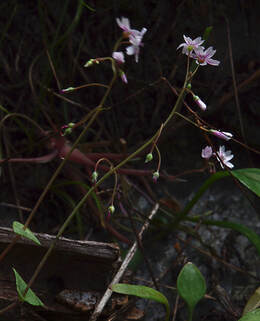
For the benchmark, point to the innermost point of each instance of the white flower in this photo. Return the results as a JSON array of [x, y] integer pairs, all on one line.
[[136, 41], [225, 157], [189, 45], [206, 152], [203, 57]]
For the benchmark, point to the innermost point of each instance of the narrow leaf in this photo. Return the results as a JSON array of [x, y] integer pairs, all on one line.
[[142, 292], [253, 302], [27, 233], [251, 316], [250, 234], [207, 32], [250, 177], [30, 296], [191, 285]]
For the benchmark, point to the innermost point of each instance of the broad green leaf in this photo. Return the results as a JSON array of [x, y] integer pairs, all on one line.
[[250, 177], [251, 316], [253, 302], [27, 233], [191, 286], [142, 292], [30, 296]]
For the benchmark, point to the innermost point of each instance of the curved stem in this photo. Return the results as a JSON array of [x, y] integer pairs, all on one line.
[[109, 173]]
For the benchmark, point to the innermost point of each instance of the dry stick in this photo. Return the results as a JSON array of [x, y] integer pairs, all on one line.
[[9, 307], [99, 308], [140, 246], [175, 307]]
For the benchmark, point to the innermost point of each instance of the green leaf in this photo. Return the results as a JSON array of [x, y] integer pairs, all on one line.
[[87, 6], [142, 292], [212, 179], [191, 286], [250, 234], [253, 302], [207, 32], [27, 233], [250, 177], [30, 296], [251, 316]]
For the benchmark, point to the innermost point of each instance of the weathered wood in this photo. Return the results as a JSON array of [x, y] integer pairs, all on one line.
[[73, 264]]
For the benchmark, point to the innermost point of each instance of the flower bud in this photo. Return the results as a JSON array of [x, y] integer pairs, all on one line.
[[222, 135], [123, 76], [71, 125], [67, 89], [94, 177], [199, 102], [189, 85], [206, 152], [156, 175], [111, 210], [149, 157], [91, 62], [118, 56]]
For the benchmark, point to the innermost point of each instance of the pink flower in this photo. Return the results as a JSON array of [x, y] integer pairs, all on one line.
[[119, 57], [203, 57], [225, 157], [189, 45], [206, 152], [222, 135], [199, 102], [136, 42]]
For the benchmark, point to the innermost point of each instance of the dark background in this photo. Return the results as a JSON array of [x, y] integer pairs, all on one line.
[[72, 32]]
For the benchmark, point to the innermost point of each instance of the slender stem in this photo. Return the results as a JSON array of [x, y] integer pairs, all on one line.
[[109, 173], [190, 314], [159, 158]]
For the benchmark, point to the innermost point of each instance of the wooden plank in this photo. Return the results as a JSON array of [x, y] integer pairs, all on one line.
[[73, 265]]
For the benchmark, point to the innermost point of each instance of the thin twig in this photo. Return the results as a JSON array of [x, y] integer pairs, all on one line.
[[141, 248], [99, 308]]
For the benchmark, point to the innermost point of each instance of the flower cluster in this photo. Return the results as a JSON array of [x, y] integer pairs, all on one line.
[[222, 156], [193, 49]]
